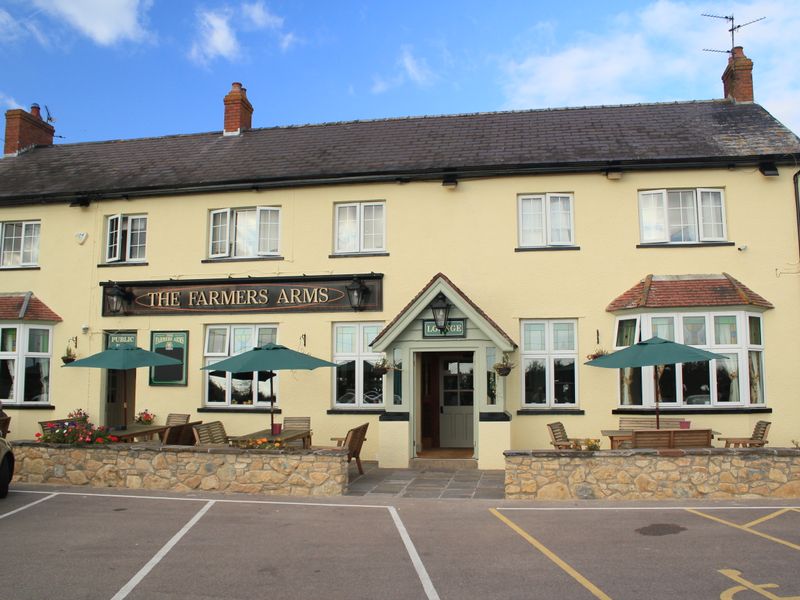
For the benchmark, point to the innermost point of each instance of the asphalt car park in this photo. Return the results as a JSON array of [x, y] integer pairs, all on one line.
[[66, 542]]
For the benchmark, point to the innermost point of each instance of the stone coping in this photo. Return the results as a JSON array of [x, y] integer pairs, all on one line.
[[655, 452], [155, 446]]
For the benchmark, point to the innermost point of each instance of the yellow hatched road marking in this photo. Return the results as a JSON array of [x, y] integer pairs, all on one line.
[[777, 513], [743, 528], [596, 592]]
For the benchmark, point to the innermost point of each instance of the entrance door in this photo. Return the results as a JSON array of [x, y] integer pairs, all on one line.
[[456, 402]]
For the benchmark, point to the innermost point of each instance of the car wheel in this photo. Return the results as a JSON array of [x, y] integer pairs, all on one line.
[[5, 477]]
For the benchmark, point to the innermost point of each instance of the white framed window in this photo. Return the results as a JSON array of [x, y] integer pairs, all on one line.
[[19, 243], [126, 238], [359, 227], [244, 232], [545, 220], [736, 380], [682, 216], [356, 384], [25, 359], [549, 356], [237, 389]]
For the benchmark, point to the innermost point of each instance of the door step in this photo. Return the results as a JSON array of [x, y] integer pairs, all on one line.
[[442, 464]]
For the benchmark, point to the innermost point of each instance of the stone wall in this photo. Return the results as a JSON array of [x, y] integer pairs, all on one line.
[[653, 474], [183, 468]]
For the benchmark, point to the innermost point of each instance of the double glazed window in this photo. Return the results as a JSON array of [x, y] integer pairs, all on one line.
[[357, 384], [549, 363], [682, 216], [735, 380], [545, 220], [126, 238], [237, 389], [244, 232], [19, 243], [360, 227], [25, 357]]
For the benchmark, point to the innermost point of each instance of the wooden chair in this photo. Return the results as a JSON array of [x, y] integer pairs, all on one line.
[[353, 441], [176, 419], [651, 438], [631, 423], [5, 421], [210, 434], [181, 434], [691, 438], [559, 439], [298, 423], [757, 440], [50, 425]]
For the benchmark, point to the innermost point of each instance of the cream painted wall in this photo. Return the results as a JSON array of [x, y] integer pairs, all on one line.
[[469, 234]]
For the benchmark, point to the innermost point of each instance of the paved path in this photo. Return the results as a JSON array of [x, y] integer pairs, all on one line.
[[408, 483]]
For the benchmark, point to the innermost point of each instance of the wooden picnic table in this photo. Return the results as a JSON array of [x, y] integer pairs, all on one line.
[[287, 435], [138, 430], [620, 436]]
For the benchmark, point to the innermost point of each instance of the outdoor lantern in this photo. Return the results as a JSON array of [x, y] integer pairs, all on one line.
[[357, 293], [440, 308], [115, 299]]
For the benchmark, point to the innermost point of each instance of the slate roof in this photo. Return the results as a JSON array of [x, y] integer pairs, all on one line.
[[24, 306], [588, 138], [675, 291]]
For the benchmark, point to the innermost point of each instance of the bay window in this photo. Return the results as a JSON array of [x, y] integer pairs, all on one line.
[[25, 360], [549, 359], [682, 216], [19, 243], [735, 380], [545, 220], [360, 227], [357, 385], [237, 389], [244, 232]]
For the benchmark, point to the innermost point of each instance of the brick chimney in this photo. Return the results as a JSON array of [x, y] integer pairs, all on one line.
[[737, 80], [238, 110], [24, 130]]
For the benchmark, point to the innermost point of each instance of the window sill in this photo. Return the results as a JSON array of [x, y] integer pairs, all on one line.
[[357, 254], [37, 268], [694, 245], [29, 406], [356, 411], [122, 264], [240, 259], [685, 410], [544, 248], [393, 416], [550, 411], [494, 417], [243, 409]]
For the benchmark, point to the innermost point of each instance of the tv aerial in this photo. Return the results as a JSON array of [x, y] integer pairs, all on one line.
[[734, 28], [50, 118]]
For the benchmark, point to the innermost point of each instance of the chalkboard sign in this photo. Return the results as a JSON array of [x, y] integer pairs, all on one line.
[[174, 344]]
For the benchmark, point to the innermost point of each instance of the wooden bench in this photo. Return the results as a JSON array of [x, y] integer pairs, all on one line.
[[181, 434], [353, 441], [210, 434], [671, 438], [631, 423], [757, 440], [53, 424], [559, 439]]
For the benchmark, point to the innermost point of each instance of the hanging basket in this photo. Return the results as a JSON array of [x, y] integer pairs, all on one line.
[[503, 371], [67, 359]]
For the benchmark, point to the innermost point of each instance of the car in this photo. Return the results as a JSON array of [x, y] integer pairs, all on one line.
[[6, 466]]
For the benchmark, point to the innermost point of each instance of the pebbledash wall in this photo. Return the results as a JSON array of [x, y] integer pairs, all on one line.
[[185, 468], [653, 474]]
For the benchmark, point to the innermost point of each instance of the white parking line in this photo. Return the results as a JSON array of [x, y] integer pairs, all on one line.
[[136, 579], [422, 573], [27, 506]]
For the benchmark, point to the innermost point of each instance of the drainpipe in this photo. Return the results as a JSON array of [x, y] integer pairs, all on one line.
[[797, 204]]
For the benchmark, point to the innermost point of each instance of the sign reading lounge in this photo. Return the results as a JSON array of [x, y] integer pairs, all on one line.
[[246, 295]]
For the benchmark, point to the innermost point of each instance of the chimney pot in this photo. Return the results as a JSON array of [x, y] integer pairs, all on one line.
[[238, 110], [25, 130], [737, 80], [35, 111]]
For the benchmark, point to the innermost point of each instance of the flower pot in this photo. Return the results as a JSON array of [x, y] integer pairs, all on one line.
[[67, 359], [276, 428]]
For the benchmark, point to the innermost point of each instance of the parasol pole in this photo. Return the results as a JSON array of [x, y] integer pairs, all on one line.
[[271, 402], [658, 394]]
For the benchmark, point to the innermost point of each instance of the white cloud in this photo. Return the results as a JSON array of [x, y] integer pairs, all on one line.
[[106, 22], [8, 102], [259, 17], [288, 40], [10, 30], [416, 69], [656, 54], [216, 37]]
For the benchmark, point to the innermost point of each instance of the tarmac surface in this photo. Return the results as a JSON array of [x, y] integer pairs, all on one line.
[[88, 543]]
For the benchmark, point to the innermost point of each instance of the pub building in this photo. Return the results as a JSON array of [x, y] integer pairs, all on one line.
[[459, 269]]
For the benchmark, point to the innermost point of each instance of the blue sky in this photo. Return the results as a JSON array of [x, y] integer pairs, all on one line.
[[110, 69]]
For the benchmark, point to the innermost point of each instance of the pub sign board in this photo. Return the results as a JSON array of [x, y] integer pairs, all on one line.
[[244, 295], [456, 328]]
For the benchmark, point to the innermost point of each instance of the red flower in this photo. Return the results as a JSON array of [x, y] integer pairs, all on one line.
[[38, 435], [113, 438], [99, 441]]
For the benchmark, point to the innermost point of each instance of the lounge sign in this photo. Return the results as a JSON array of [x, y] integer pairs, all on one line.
[[454, 328], [250, 295]]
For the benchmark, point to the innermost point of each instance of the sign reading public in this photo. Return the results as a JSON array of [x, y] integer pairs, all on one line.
[[246, 295], [454, 328]]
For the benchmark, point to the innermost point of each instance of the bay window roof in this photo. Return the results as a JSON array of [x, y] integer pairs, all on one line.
[[24, 306]]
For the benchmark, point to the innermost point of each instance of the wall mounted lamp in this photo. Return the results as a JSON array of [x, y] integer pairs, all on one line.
[[357, 293], [116, 297], [440, 308]]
